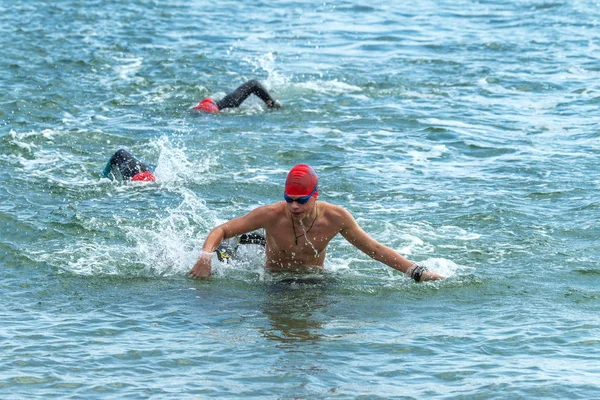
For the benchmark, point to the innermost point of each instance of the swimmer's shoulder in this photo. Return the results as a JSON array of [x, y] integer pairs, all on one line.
[[331, 209], [333, 214], [269, 211]]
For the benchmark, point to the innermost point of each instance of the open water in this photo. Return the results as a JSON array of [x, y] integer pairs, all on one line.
[[465, 134]]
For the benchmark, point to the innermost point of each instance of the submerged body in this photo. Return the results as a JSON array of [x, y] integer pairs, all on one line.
[[123, 166]]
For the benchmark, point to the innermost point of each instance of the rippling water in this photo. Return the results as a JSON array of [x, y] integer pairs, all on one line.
[[463, 134]]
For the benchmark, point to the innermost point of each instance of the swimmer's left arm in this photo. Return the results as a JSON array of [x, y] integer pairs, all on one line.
[[354, 234]]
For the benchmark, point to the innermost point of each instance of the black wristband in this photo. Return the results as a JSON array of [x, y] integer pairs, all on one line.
[[417, 272]]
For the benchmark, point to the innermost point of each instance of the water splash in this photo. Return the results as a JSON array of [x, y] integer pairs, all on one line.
[[171, 245], [143, 244], [174, 167], [267, 63]]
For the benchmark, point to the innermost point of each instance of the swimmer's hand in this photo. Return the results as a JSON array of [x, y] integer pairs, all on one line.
[[420, 273], [202, 267], [431, 276], [274, 104]]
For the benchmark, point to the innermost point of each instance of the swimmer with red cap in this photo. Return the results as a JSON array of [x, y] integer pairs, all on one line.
[[237, 97], [123, 166], [298, 230]]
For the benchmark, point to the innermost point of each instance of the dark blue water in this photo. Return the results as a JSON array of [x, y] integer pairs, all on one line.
[[464, 135]]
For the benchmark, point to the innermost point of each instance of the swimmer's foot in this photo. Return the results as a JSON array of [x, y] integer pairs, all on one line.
[[224, 254], [253, 238]]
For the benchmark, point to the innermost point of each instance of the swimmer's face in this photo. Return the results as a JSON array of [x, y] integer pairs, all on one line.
[[299, 206], [299, 211]]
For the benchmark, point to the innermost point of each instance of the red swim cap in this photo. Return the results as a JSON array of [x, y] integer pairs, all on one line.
[[145, 176], [301, 181], [207, 105]]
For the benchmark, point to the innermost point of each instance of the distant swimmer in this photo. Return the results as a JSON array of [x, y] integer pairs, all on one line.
[[298, 230], [123, 166], [237, 97]]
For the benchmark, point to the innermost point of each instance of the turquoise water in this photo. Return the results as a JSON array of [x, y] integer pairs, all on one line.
[[465, 135]]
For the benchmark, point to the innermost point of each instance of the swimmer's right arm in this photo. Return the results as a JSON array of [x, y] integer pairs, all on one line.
[[201, 268], [247, 223]]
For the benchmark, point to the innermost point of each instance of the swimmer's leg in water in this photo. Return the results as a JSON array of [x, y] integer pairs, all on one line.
[[124, 166], [240, 94], [228, 248]]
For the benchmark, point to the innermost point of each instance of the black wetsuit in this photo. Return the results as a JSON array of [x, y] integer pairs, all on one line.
[[124, 166], [237, 97]]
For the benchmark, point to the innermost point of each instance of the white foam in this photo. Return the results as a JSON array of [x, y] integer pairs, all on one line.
[[317, 131], [28, 147], [455, 233], [93, 259], [43, 159], [166, 247], [48, 134], [159, 95], [338, 265], [128, 67], [421, 154], [267, 63], [332, 87], [468, 128], [444, 267], [172, 164]]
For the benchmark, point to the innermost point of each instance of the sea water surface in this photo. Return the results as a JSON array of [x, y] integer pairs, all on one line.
[[463, 134]]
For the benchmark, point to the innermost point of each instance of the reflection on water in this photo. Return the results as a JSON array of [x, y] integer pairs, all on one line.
[[296, 307]]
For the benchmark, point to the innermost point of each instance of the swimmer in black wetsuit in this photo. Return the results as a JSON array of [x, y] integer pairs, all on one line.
[[123, 166], [237, 97]]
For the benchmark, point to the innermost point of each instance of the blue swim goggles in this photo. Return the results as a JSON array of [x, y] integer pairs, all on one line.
[[299, 200]]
